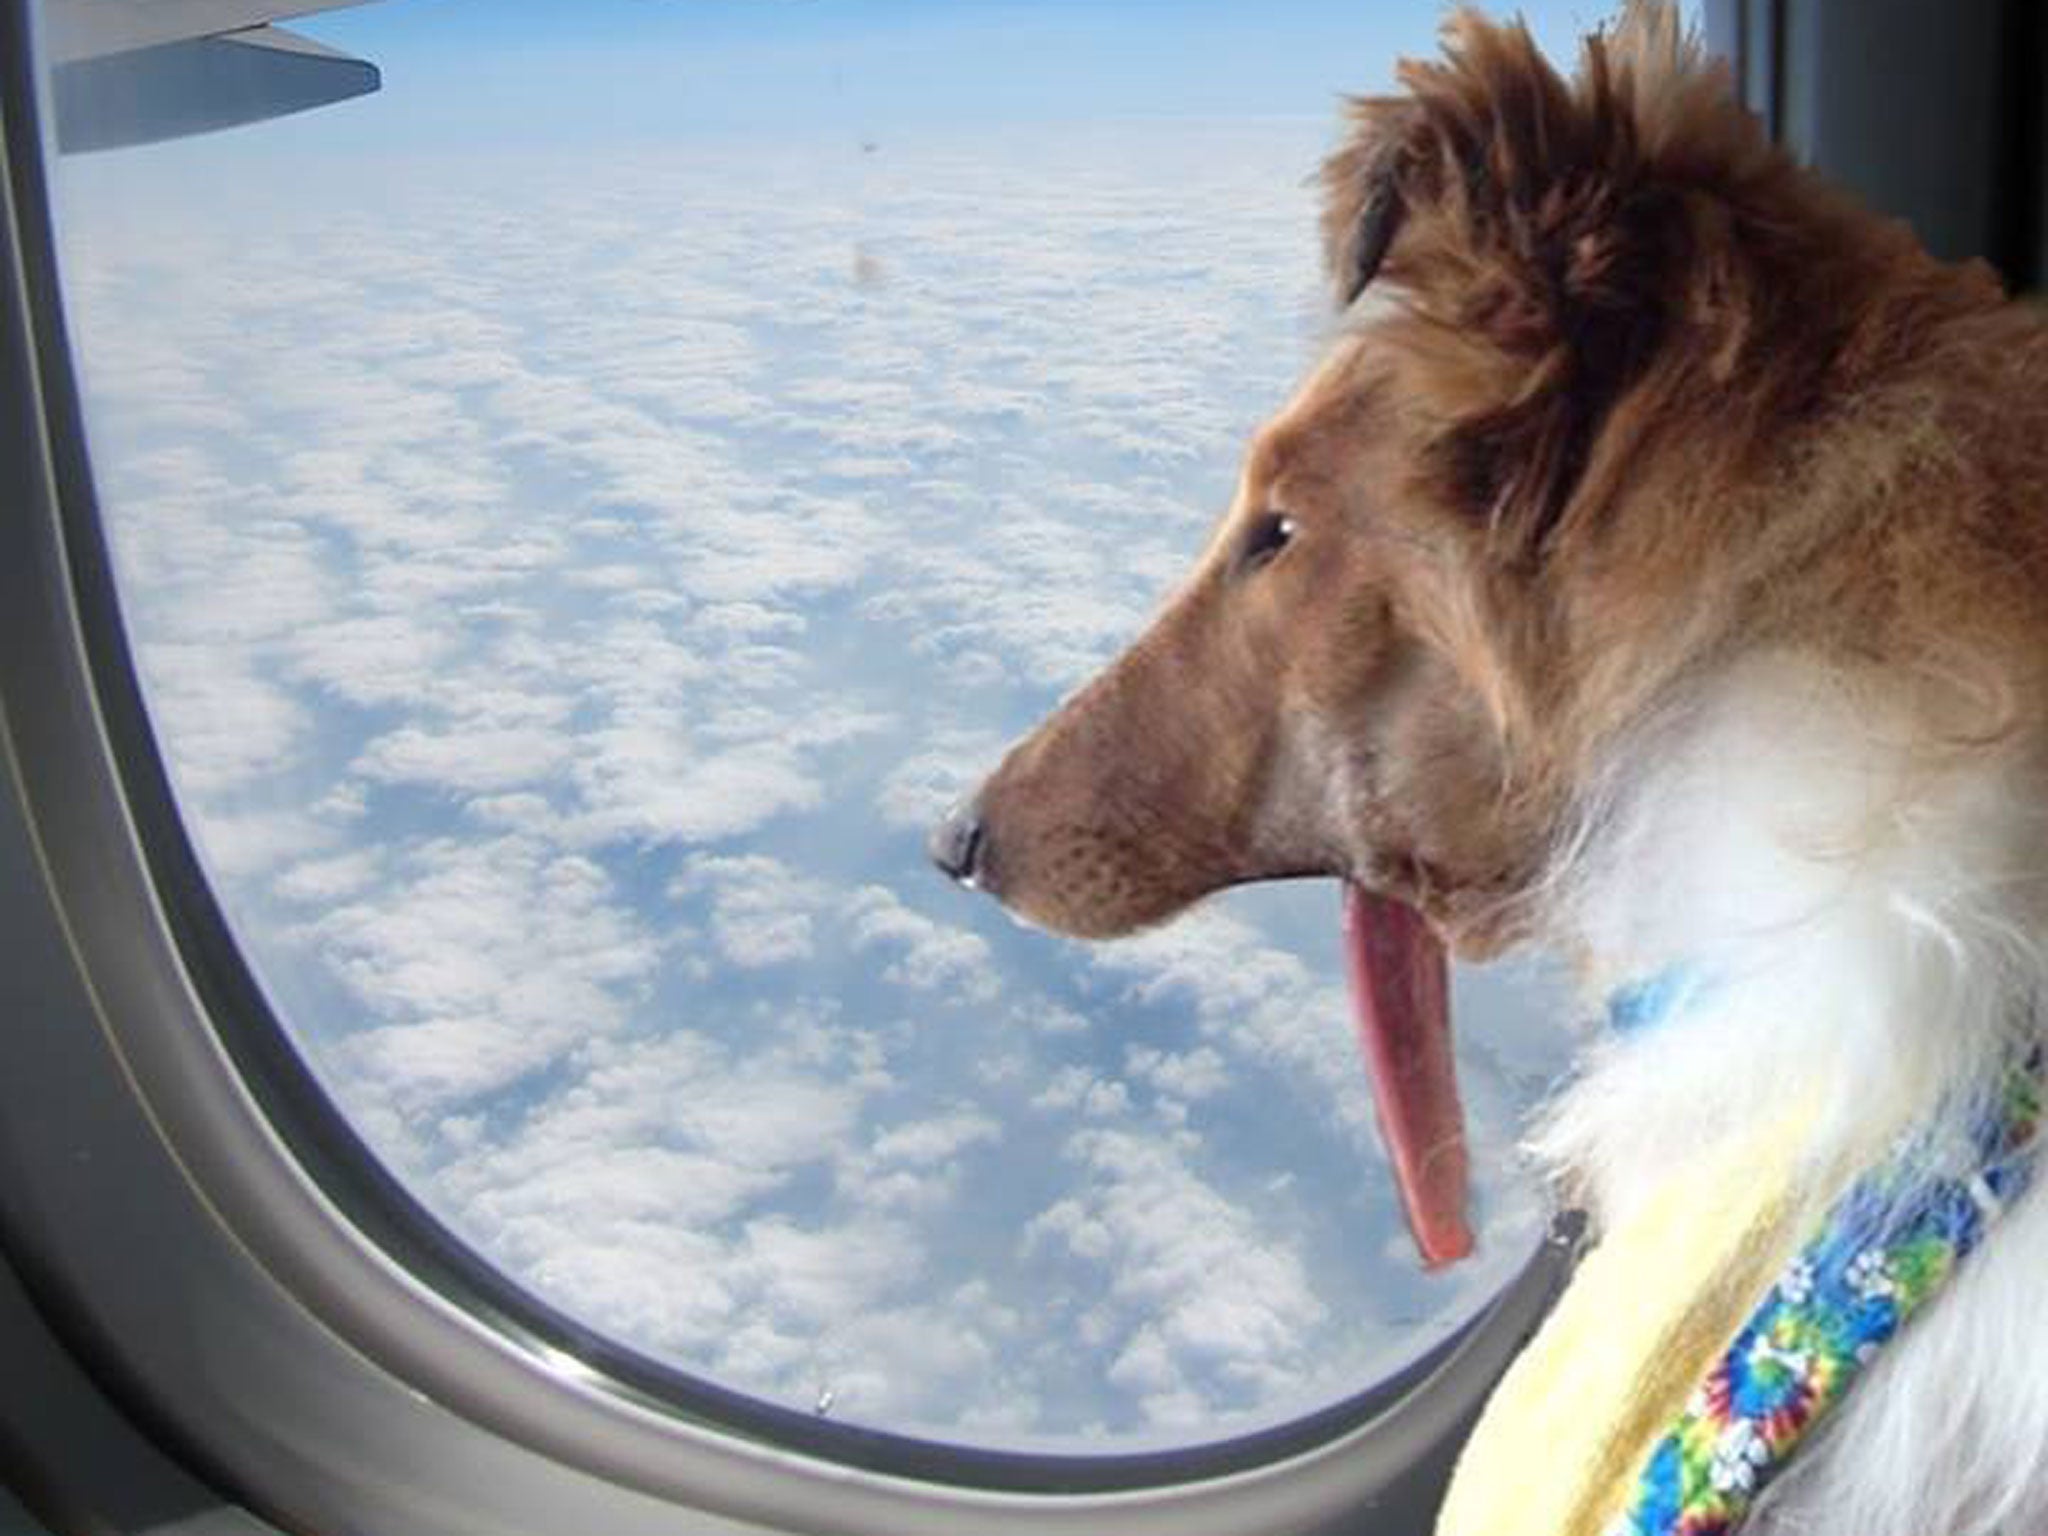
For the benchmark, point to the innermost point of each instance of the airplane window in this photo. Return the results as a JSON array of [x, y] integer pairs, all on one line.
[[585, 508]]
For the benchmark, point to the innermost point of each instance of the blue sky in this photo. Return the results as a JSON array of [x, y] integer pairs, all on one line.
[[490, 72]]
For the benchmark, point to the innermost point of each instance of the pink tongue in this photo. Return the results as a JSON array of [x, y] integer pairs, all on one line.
[[1400, 992]]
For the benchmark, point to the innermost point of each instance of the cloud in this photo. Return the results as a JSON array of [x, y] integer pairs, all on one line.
[[921, 788], [468, 758], [235, 726], [244, 845], [1196, 1074], [1081, 1091], [761, 912], [647, 781], [921, 1143], [477, 963], [322, 881], [929, 955], [566, 604], [1201, 1302], [1251, 995]]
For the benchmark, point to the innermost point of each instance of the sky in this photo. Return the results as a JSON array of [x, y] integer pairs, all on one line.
[[584, 510], [497, 73]]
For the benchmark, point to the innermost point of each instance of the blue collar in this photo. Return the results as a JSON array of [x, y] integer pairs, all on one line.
[[1651, 999]]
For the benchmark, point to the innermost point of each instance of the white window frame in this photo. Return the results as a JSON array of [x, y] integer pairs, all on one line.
[[238, 1305]]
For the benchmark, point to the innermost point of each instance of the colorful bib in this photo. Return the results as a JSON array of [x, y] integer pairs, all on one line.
[[1640, 1410], [1883, 1250]]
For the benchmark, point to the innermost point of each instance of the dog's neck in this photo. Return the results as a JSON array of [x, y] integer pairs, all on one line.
[[1855, 908], [1815, 919]]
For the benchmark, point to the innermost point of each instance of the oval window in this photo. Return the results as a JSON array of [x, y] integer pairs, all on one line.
[[585, 508]]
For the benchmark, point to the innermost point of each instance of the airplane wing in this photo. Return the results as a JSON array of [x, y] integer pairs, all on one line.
[[138, 71]]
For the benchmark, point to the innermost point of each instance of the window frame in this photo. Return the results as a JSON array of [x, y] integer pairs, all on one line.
[[1967, 167], [204, 1234]]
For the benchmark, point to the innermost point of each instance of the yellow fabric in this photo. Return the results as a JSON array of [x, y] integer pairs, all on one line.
[[1561, 1441]]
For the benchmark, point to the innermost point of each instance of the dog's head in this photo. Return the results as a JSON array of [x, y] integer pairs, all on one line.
[[1526, 489]]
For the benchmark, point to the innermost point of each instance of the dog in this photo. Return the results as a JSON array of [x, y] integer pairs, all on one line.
[[1654, 568]]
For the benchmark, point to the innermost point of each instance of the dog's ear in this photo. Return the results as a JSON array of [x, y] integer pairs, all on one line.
[[1528, 229], [1362, 204]]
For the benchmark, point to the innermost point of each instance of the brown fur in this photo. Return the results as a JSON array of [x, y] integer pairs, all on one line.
[[1631, 393]]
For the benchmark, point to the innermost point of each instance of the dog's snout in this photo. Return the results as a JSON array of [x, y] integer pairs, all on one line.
[[959, 844]]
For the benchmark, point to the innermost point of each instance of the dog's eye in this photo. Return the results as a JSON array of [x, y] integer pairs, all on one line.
[[1268, 534]]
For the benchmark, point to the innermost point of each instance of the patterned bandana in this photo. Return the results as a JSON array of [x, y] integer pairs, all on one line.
[[1882, 1251]]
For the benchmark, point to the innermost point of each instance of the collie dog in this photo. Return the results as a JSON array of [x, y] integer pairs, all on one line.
[[1653, 568]]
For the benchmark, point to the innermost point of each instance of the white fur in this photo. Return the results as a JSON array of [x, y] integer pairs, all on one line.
[[1868, 913]]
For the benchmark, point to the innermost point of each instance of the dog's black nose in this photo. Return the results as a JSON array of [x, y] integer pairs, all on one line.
[[959, 843]]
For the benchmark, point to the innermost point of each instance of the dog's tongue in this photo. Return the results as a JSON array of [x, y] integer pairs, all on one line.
[[1400, 994]]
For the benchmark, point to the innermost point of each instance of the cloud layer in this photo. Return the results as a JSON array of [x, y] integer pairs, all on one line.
[[565, 592]]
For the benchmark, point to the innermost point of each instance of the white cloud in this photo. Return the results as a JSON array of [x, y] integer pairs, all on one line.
[[1257, 999], [921, 788], [467, 758], [321, 881], [377, 658], [760, 911], [1080, 1091], [480, 962], [1205, 1300], [646, 781], [1196, 1074], [234, 726], [921, 1143], [564, 626], [930, 955]]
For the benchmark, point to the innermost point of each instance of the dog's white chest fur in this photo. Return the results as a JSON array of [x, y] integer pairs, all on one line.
[[1865, 903]]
